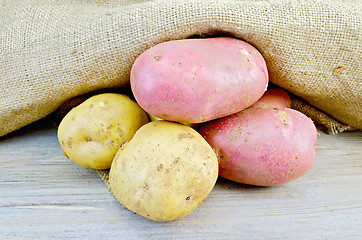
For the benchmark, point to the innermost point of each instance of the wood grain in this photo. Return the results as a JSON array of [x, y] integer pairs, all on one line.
[[46, 196]]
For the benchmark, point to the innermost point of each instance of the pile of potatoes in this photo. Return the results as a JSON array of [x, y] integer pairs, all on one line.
[[211, 115]]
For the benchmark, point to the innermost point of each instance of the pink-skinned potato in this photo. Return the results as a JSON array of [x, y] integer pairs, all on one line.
[[274, 98], [263, 146], [197, 80]]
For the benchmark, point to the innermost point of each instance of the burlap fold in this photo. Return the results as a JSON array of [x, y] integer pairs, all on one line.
[[54, 50]]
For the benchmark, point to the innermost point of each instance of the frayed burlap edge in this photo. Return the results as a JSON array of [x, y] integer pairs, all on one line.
[[322, 121], [104, 174]]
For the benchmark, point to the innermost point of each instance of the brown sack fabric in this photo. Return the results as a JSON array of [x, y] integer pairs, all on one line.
[[54, 50]]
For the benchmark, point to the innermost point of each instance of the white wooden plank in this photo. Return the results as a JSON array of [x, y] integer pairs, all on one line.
[[46, 196]]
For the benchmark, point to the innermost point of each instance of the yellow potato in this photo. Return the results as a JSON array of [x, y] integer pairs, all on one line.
[[164, 172], [154, 118], [91, 133]]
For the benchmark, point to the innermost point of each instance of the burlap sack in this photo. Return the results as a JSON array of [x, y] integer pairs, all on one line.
[[54, 50]]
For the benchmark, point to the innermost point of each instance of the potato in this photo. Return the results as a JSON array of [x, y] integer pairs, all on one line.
[[91, 133], [164, 172], [154, 118], [197, 80], [263, 146], [274, 98]]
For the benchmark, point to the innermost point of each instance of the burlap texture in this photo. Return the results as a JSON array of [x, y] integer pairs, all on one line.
[[54, 50]]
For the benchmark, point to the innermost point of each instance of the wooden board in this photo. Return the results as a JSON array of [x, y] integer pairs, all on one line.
[[46, 196]]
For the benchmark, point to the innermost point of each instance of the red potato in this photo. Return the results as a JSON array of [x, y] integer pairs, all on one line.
[[263, 146], [274, 98], [197, 80]]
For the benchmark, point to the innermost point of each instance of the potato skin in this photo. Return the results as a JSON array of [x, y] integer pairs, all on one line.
[[263, 146], [91, 133], [197, 80], [164, 172], [154, 118], [274, 98]]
